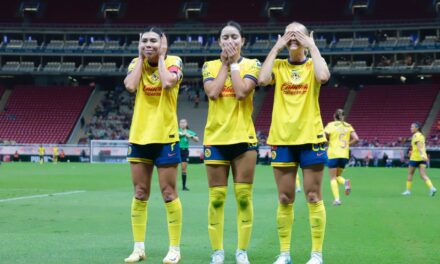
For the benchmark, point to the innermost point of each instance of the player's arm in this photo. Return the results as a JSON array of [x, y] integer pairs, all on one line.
[[265, 76], [241, 86], [353, 138], [420, 148], [214, 87], [169, 77], [322, 73], [195, 138], [133, 78]]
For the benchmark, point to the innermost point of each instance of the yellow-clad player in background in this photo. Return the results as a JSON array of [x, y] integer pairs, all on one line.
[[41, 152], [341, 136], [230, 140], [418, 159], [55, 154], [154, 138], [297, 134]]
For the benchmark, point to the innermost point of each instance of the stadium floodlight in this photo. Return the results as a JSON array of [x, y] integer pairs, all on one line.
[[275, 8], [111, 9], [29, 8], [192, 9], [359, 6]]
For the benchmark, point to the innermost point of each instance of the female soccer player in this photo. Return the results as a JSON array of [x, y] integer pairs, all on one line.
[[296, 133], [185, 134], [418, 159], [155, 77], [230, 139], [341, 136]]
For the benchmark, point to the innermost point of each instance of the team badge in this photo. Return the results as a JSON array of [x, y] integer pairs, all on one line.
[[129, 150], [274, 154], [295, 75], [207, 153], [154, 77]]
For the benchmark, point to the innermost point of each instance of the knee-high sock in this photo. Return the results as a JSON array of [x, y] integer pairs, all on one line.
[[297, 182], [317, 218], [429, 183], [174, 219], [216, 210], [184, 180], [245, 213], [285, 217], [138, 219], [340, 180], [335, 189], [408, 185]]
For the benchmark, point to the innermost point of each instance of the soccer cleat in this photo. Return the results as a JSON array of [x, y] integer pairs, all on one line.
[[241, 257], [298, 190], [406, 193], [337, 202], [137, 255], [283, 258], [185, 189], [218, 257], [172, 257], [316, 258], [432, 191], [347, 185]]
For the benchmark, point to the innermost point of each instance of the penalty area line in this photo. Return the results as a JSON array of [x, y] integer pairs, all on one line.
[[40, 196]]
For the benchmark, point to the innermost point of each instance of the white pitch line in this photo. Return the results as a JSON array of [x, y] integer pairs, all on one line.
[[39, 196]]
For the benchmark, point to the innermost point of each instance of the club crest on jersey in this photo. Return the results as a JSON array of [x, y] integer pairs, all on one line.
[[154, 77], [295, 75], [207, 153]]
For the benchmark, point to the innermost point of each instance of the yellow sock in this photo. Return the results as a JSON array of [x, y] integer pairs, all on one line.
[[317, 217], [408, 185], [174, 219], [335, 189], [138, 219], [216, 212], [284, 222], [245, 213], [297, 183], [340, 180], [429, 183]]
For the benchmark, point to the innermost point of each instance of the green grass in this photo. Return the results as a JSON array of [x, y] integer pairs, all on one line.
[[374, 225]]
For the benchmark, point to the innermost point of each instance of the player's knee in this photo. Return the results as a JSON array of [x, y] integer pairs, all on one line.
[[168, 194], [313, 197], [141, 193], [217, 198], [243, 200], [285, 198]]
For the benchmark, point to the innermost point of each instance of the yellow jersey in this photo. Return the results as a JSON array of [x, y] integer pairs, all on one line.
[[155, 109], [415, 154], [339, 139], [296, 117], [41, 151], [229, 119], [55, 151]]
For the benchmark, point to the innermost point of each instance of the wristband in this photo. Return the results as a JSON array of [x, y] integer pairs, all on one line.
[[235, 67]]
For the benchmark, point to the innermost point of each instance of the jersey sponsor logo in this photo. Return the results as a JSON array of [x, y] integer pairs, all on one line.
[[152, 90], [207, 153], [171, 136], [294, 89]]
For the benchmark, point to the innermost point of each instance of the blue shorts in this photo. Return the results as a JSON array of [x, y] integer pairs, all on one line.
[[303, 155], [157, 154], [417, 164], [224, 154], [337, 163]]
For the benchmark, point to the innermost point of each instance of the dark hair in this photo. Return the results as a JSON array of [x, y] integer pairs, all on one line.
[[339, 115], [231, 23], [156, 30], [417, 125]]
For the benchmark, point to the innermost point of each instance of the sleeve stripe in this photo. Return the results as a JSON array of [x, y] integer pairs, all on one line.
[[251, 77], [208, 79]]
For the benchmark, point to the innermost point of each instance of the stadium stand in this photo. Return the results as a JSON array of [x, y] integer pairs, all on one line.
[[378, 113], [42, 114]]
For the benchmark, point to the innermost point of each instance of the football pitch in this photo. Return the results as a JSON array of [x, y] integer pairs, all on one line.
[[80, 213]]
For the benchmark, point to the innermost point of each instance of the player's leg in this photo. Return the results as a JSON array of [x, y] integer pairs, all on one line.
[[425, 178], [411, 170], [243, 169], [141, 177]]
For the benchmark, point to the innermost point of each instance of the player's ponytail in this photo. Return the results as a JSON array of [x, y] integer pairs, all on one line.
[[418, 126]]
